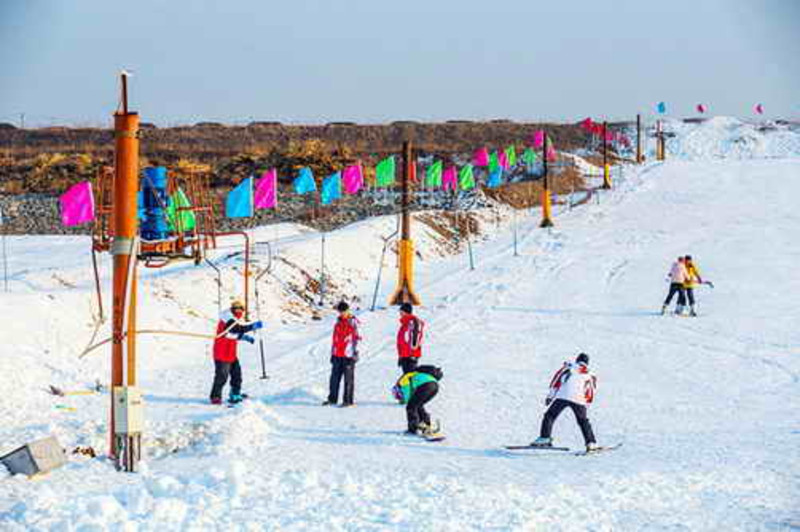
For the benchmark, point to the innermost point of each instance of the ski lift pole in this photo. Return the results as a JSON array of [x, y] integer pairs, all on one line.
[[322, 272], [516, 252], [380, 269], [266, 270], [219, 285], [5, 261]]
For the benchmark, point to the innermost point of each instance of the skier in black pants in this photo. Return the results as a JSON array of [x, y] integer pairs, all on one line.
[[344, 355], [415, 389], [573, 387]]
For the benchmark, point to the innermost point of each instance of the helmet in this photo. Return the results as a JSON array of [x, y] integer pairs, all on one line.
[[583, 358]]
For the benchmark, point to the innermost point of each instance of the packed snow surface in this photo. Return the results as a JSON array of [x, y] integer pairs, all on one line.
[[706, 407]]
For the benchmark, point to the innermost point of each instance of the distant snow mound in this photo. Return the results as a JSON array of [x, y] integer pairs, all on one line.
[[725, 137]]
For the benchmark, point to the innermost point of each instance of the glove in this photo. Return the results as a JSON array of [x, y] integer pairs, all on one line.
[[547, 401], [249, 339], [256, 325]]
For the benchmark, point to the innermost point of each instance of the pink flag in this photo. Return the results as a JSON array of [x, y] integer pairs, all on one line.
[[701, 108], [449, 178], [759, 109], [77, 204], [266, 192], [538, 139], [587, 124], [353, 179], [551, 153], [481, 157], [502, 158]]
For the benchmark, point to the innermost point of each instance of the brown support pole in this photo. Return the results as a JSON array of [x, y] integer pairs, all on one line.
[[126, 170], [638, 139], [546, 200], [404, 293]]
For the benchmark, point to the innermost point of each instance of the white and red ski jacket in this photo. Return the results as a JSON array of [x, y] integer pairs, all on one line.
[[573, 382]]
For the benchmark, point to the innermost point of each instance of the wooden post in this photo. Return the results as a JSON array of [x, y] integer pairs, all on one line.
[[638, 139], [546, 200], [404, 293]]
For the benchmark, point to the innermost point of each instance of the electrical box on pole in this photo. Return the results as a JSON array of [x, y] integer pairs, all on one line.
[[128, 426]]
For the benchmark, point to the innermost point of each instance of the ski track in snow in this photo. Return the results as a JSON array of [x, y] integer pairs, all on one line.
[[706, 407]]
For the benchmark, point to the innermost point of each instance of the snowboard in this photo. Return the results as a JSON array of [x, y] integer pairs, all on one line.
[[601, 449], [536, 448]]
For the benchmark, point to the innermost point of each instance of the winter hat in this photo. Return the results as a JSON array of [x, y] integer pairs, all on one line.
[[406, 307], [237, 303], [688, 257], [342, 306], [583, 358]]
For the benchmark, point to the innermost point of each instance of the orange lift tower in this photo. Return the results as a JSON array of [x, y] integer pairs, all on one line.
[[126, 408], [404, 293]]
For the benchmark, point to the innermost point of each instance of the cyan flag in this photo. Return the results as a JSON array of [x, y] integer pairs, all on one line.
[[304, 183], [239, 203], [332, 188], [661, 108], [495, 178]]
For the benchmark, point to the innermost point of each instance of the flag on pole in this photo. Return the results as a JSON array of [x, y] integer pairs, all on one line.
[[481, 157], [466, 178], [180, 219], [331, 188], [661, 108], [304, 182], [502, 159], [77, 204], [701, 108], [384, 172], [529, 156], [587, 124], [759, 109], [511, 156], [494, 161], [433, 175], [266, 193], [538, 138], [353, 179], [239, 203], [551, 152], [495, 178], [449, 179]]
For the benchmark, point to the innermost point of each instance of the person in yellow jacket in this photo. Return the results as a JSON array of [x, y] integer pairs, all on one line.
[[692, 280]]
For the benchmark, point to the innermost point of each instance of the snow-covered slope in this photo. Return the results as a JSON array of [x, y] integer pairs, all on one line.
[[706, 407]]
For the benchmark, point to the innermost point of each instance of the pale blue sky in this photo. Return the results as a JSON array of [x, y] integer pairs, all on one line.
[[373, 61]]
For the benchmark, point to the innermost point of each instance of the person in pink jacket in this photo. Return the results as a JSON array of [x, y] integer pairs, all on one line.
[[677, 277]]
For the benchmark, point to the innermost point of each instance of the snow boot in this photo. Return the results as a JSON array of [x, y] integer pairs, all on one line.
[[679, 310], [663, 309], [326, 402], [216, 401], [236, 398], [542, 442], [692, 312], [591, 446]]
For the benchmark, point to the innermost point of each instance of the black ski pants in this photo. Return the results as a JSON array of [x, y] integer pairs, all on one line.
[[676, 288], [690, 295], [407, 364], [342, 367], [415, 409], [580, 415], [222, 370]]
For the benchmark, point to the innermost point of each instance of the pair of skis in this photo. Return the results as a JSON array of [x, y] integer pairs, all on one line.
[[599, 449]]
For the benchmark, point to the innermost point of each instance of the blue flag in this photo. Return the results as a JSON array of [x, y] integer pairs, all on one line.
[[140, 205], [661, 108], [495, 178], [304, 182], [239, 203], [332, 188]]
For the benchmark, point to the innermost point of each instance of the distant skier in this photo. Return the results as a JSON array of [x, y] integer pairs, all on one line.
[[573, 387], [692, 278], [231, 328], [415, 389], [344, 355], [409, 338], [677, 277]]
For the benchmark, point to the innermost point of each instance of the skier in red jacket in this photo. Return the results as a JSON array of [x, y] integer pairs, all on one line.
[[231, 329], [344, 355], [409, 338]]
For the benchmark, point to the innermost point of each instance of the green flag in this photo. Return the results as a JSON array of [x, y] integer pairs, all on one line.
[[466, 180], [511, 156], [384, 172], [494, 162], [183, 220], [433, 175], [529, 156]]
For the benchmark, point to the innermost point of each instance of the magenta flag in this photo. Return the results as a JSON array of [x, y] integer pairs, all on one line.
[[759, 109], [266, 192], [538, 139], [353, 179], [502, 158], [587, 124], [551, 153], [481, 157], [701, 108], [77, 204], [449, 178]]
